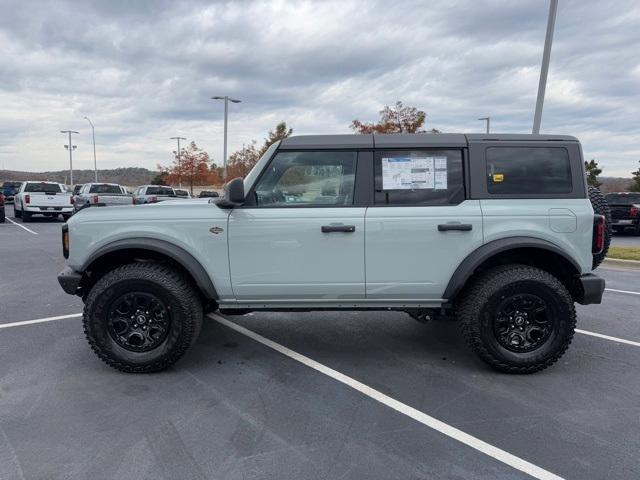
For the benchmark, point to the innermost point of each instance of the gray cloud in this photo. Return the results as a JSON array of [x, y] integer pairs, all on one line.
[[144, 71]]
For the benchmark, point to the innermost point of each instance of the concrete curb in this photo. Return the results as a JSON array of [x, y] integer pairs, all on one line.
[[617, 262]]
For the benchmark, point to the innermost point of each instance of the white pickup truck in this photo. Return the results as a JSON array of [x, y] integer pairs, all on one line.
[[42, 198], [102, 194]]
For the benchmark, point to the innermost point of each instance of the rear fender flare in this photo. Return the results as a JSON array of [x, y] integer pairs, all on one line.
[[488, 250]]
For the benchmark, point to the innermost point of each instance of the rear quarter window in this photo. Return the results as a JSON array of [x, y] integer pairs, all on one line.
[[528, 170]]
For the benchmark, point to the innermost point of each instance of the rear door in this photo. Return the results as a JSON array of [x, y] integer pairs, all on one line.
[[420, 226], [300, 237]]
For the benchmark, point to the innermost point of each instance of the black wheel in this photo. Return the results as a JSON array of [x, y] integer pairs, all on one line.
[[142, 317], [26, 216], [16, 212], [2, 216], [601, 207], [518, 319]]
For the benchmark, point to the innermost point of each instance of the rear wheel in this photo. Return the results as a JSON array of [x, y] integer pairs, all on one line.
[[26, 216], [601, 207], [142, 317], [518, 319], [16, 213], [2, 215]]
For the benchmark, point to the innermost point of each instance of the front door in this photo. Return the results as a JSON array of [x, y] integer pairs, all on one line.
[[300, 238], [420, 227]]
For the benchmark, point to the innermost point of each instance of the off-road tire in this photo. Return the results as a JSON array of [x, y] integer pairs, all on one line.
[[601, 207], [478, 306], [176, 290]]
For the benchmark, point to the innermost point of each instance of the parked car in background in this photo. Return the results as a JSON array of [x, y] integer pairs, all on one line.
[[2, 207], [625, 211], [153, 194], [42, 198], [182, 193], [208, 194], [103, 194], [9, 189]]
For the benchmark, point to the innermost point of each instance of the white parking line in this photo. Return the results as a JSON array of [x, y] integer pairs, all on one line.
[[607, 337], [39, 320], [622, 291], [427, 420], [22, 226]]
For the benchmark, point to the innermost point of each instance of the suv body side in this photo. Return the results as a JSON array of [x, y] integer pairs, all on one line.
[[288, 255]]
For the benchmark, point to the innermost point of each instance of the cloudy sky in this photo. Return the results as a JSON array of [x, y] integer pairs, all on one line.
[[144, 72]]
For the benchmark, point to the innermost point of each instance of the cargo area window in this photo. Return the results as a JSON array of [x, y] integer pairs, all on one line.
[[418, 177], [307, 179], [528, 170]]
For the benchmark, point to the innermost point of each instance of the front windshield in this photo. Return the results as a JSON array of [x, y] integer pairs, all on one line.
[[255, 171]]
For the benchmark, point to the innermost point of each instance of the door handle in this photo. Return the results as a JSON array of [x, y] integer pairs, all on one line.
[[338, 228], [461, 227]]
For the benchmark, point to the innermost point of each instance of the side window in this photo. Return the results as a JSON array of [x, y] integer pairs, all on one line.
[[308, 179], [418, 177], [528, 170]]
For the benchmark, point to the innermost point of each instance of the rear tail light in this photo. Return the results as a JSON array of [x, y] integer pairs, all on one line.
[[96, 199], [27, 199], [1, 198], [133, 200], [598, 234], [634, 211], [153, 200], [72, 200]]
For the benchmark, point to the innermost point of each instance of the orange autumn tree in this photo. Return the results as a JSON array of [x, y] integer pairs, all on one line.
[[397, 119], [191, 169]]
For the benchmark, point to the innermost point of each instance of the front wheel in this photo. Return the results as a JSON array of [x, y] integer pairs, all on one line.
[[142, 317], [518, 319]]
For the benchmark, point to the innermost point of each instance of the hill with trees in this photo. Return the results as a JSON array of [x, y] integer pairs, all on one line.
[[130, 176]]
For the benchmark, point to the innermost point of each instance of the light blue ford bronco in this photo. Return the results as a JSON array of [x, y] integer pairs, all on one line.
[[499, 232]]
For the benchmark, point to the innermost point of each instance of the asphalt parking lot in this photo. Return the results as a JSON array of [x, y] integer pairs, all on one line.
[[318, 395]]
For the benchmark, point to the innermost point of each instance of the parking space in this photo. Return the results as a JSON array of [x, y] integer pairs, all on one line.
[[238, 406]]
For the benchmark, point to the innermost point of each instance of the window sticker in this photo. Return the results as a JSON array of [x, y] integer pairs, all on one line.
[[414, 173], [498, 177], [440, 173]]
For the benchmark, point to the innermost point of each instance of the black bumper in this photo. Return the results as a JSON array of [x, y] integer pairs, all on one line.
[[69, 280], [591, 289]]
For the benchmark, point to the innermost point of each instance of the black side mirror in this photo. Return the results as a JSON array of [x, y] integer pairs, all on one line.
[[233, 194]]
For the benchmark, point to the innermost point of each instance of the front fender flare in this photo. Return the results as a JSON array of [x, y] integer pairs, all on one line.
[[176, 253], [488, 250]]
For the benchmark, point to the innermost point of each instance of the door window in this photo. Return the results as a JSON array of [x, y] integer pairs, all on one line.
[[418, 177], [296, 179]]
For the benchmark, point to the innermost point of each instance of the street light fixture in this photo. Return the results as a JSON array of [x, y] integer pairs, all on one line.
[[71, 148], [93, 134], [226, 99], [178, 155], [488, 120]]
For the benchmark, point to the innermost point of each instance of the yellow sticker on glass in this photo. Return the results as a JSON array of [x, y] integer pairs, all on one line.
[[498, 177]]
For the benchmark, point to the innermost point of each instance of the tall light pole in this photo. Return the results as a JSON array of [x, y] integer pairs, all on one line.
[[70, 147], [93, 134], [226, 99], [178, 155], [544, 69], [488, 120]]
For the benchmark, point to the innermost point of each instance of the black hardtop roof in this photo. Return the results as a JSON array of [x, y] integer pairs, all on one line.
[[409, 140]]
